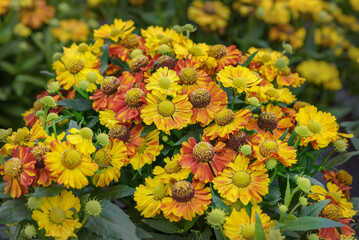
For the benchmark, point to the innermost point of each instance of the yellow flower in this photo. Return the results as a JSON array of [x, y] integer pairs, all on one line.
[[119, 29], [327, 37], [210, 15], [68, 165], [164, 81], [107, 118], [240, 225], [71, 30], [82, 139], [56, 215], [354, 4], [276, 12], [172, 171], [4, 6], [322, 125], [189, 49]]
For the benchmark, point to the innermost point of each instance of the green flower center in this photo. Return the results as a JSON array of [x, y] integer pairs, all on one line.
[[102, 157], [240, 82], [248, 231], [267, 147], [71, 158], [315, 127], [241, 179], [272, 92], [57, 215], [159, 192], [22, 135], [195, 51], [12, 167], [188, 76], [114, 32], [165, 83], [86, 133], [166, 108], [172, 167]]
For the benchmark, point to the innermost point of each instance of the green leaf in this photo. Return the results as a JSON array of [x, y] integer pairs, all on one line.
[[112, 223], [124, 66], [314, 209], [194, 133], [25, 78], [50, 191], [249, 60], [147, 129], [309, 223], [113, 193], [259, 231], [48, 73], [14, 211], [287, 192], [291, 138], [189, 224], [162, 226], [219, 234], [104, 59], [92, 122], [218, 203], [284, 135], [340, 159], [355, 201], [78, 104], [142, 233], [2, 188]]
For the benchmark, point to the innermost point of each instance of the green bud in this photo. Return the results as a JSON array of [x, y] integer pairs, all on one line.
[[136, 52], [103, 139], [91, 77], [93, 207], [246, 150], [189, 27], [93, 23], [164, 49], [52, 117], [30, 231], [53, 87], [283, 208], [287, 48], [48, 101], [64, 7], [271, 163], [303, 201], [33, 203], [304, 184], [281, 63], [216, 217], [312, 236], [302, 131], [340, 145], [259, 13], [253, 101], [39, 113], [54, 22], [83, 85], [57, 56], [177, 28]]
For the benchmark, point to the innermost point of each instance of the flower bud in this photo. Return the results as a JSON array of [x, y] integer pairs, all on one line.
[[283, 208], [83, 47], [340, 145], [103, 139], [189, 27], [246, 150], [5, 133], [274, 234], [52, 117], [313, 236], [164, 49], [271, 163], [136, 52], [303, 201], [93, 207], [54, 22], [39, 113], [93, 23], [287, 48], [302, 131], [33, 203], [177, 28], [53, 87], [165, 138], [64, 7], [48, 101], [57, 56], [303, 183], [253, 101], [30, 231], [83, 85], [91, 77], [281, 63], [216, 217]]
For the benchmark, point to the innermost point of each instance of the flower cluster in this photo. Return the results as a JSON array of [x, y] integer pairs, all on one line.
[[190, 126]]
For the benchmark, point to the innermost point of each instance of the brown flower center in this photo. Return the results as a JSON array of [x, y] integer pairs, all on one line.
[[344, 177], [102, 157], [217, 51], [172, 167], [203, 152], [224, 117], [75, 65], [133, 98], [268, 121], [237, 140], [183, 191], [165, 61], [121, 132], [12, 167], [131, 41], [188, 76], [332, 212], [39, 153], [109, 85], [200, 98], [139, 62]]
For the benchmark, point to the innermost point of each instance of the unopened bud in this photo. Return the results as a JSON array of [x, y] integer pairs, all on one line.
[[303, 201], [52, 117], [48, 101], [103, 139], [246, 150], [281, 63], [283, 208], [57, 56], [287, 47], [53, 87], [253, 101], [302, 131], [304, 184], [83, 85]]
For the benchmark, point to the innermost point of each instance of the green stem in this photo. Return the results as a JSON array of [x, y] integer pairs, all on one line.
[[85, 95], [295, 207], [222, 232], [291, 196], [296, 144], [85, 219], [58, 92], [234, 99], [44, 118], [54, 128], [325, 160], [273, 175]]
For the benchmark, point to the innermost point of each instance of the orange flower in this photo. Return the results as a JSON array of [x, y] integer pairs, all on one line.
[[71, 30], [19, 172], [126, 46], [104, 97], [187, 201], [36, 13], [202, 157], [43, 176], [341, 178]]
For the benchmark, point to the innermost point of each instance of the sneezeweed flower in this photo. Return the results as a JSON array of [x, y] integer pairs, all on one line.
[[241, 181], [220, 56], [19, 172], [35, 13], [189, 49], [43, 174], [71, 30], [226, 122], [207, 102], [109, 160], [271, 123], [119, 29], [204, 159], [239, 78], [107, 118], [104, 97], [322, 125], [56, 215], [167, 114], [172, 171], [187, 201], [147, 152], [270, 93], [241, 225], [210, 16], [82, 139], [149, 197], [235, 141], [69, 166], [341, 178], [163, 81], [318, 193], [130, 136]]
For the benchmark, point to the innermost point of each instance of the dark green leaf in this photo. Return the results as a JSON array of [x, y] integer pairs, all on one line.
[[113, 193], [48, 73], [112, 223], [194, 133], [219, 234], [309, 223], [124, 66], [14, 211], [92, 122], [79, 104], [218, 203], [284, 135], [2, 187], [49, 191], [355, 201], [287, 192], [291, 138], [259, 231], [314, 209], [142, 233], [162, 226], [73, 124], [104, 59], [339, 159], [249, 60], [147, 129], [189, 224]]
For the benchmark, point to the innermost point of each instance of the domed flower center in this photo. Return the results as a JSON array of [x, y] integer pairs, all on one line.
[[314, 126], [200, 98], [22, 135], [241, 179], [272, 92], [39, 153], [332, 211], [236, 140], [195, 51], [102, 157], [131, 41], [172, 167], [83, 47], [203, 152], [240, 82], [57, 215], [38, 106], [166, 40], [335, 195], [119, 131], [224, 117], [12, 168], [268, 121], [217, 51], [165, 83], [166, 108], [298, 105], [159, 192], [248, 231], [188, 76], [160, 36], [133, 98], [267, 147], [109, 85], [75, 65], [114, 32], [165, 61], [266, 57], [139, 62], [183, 191], [86, 133], [71, 158], [344, 177], [209, 8]]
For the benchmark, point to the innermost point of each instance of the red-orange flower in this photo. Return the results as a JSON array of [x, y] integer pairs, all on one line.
[[202, 157], [19, 171], [36, 13], [123, 49]]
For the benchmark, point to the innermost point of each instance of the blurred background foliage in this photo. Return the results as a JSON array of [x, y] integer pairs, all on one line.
[[326, 32]]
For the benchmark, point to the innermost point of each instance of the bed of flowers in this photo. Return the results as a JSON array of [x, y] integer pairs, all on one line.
[[155, 136]]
